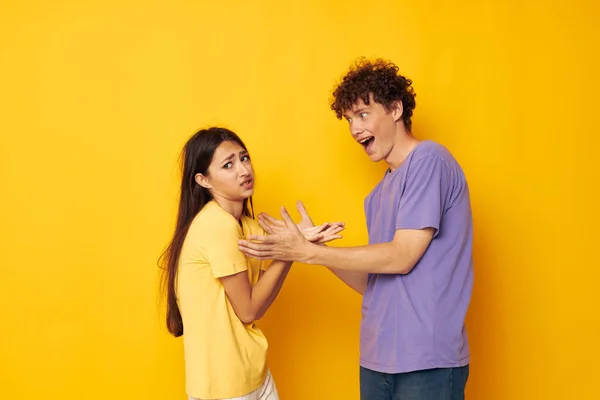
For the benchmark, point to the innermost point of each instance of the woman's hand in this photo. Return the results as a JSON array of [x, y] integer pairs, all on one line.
[[315, 234]]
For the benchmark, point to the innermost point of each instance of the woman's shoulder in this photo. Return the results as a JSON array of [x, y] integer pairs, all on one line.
[[213, 218], [253, 226], [213, 212]]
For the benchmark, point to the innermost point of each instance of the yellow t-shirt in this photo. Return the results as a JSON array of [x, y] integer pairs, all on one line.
[[223, 356]]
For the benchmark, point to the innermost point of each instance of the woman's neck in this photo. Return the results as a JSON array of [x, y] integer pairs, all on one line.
[[234, 208]]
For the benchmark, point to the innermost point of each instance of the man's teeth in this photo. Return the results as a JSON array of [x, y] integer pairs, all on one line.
[[365, 140]]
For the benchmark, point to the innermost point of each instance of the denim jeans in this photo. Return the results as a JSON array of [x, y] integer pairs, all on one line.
[[431, 384]]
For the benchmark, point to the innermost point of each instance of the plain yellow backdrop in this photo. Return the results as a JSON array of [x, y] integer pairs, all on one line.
[[98, 97]]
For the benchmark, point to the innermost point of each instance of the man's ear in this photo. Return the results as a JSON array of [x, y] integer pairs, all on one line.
[[203, 181], [397, 110]]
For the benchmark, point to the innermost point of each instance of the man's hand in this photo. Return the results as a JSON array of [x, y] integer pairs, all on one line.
[[315, 234], [287, 244]]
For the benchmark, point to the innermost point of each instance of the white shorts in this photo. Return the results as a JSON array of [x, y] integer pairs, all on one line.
[[267, 391]]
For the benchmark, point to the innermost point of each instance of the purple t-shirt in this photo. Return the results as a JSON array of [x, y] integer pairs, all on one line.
[[416, 321]]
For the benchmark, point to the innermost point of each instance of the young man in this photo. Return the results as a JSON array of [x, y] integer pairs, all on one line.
[[416, 274]]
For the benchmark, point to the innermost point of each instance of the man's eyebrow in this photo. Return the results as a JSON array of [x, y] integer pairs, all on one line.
[[356, 110]]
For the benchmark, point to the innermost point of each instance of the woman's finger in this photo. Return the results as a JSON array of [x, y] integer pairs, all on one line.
[[329, 238], [272, 220], [334, 229], [315, 238], [316, 229], [266, 226]]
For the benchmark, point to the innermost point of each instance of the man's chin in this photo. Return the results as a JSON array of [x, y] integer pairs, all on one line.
[[375, 157]]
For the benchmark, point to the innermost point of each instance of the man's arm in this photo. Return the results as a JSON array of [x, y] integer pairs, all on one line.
[[355, 280], [417, 221], [396, 257]]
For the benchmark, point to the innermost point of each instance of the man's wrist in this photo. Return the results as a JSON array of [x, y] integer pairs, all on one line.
[[311, 253]]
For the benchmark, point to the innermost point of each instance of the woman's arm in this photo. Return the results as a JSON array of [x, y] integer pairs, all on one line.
[[251, 302]]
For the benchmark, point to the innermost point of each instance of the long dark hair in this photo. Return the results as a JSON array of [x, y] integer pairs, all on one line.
[[196, 157]]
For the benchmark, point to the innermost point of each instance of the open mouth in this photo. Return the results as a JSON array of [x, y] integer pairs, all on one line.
[[367, 142], [247, 183]]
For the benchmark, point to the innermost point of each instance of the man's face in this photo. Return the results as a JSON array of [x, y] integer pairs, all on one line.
[[372, 126]]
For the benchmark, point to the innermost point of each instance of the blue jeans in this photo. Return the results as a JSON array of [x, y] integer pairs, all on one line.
[[431, 384]]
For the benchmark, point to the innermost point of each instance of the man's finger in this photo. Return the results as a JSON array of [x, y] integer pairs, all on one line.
[[259, 255], [261, 239], [255, 249]]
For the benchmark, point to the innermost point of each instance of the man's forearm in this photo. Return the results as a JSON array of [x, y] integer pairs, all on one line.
[[398, 256], [383, 258], [355, 280]]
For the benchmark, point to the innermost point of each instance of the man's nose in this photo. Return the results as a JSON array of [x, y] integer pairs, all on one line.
[[356, 128]]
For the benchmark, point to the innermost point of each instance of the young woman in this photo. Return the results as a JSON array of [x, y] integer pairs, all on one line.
[[214, 292]]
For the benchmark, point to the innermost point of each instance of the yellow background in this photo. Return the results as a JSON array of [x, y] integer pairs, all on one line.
[[98, 97]]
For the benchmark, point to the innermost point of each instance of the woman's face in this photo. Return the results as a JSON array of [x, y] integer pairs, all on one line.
[[230, 175]]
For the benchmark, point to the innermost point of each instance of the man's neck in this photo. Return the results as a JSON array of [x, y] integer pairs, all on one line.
[[403, 145]]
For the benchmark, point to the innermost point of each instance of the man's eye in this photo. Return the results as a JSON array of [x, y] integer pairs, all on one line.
[[363, 115]]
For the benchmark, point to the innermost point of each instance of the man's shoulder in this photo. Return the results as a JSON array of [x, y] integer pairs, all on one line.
[[430, 148], [435, 153]]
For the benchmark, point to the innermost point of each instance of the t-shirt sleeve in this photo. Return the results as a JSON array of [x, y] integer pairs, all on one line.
[[221, 246], [421, 205], [265, 264]]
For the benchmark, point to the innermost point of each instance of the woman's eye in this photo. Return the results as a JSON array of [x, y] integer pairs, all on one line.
[[228, 165], [245, 158], [363, 115]]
